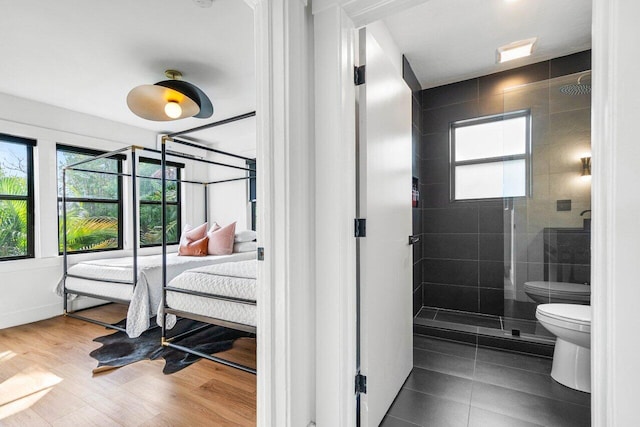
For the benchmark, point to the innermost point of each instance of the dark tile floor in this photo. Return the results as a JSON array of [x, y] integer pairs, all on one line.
[[456, 384]]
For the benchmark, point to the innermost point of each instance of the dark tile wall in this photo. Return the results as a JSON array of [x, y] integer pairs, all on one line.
[[461, 259], [567, 255], [413, 83]]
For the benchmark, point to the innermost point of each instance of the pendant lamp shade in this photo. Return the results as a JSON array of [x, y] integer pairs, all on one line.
[[169, 100]]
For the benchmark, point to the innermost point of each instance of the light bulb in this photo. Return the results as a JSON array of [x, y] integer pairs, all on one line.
[[173, 109]]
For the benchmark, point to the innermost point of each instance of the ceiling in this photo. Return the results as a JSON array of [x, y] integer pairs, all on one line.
[[447, 41], [238, 137], [87, 55]]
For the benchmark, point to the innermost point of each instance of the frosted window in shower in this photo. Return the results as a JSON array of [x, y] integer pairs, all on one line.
[[492, 139], [490, 157], [491, 180]]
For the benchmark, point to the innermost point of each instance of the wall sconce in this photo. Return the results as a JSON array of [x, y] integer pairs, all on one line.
[[586, 166]]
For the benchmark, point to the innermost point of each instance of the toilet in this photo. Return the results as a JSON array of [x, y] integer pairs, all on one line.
[[558, 292], [571, 324]]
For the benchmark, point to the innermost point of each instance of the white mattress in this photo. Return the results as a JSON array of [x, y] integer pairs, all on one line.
[[236, 280], [148, 291]]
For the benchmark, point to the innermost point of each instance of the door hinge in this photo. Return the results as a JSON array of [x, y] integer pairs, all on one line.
[[260, 254], [360, 227], [361, 383], [358, 75]]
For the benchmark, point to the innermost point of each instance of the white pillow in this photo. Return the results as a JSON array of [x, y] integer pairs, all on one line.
[[245, 236], [245, 247]]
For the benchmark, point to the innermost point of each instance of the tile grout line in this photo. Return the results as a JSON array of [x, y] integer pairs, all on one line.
[[473, 378], [426, 393], [401, 419], [520, 390], [440, 352], [478, 255], [513, 367], [538, 395], [520, 353]]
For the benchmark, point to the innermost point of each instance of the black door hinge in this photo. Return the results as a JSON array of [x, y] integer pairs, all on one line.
[[360, 227], [358, 75], [260, 254], [361, 383]]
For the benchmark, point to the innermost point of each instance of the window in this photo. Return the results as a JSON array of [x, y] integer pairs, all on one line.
[[16, 198], [94, 201], [251, 164], [490, 157], [150, 197]]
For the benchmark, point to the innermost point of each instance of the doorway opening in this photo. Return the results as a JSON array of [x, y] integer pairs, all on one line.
[[502, 211]]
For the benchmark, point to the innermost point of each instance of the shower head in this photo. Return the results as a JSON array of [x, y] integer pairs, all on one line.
[[577, 88]]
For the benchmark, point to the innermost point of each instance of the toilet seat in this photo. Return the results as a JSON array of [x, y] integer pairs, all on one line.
[[558, 292], [569, 316]]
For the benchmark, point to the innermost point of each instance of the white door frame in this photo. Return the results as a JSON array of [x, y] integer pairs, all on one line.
[[335, 24], [335, 195], [615, 293], [285, 217], [614, 35]]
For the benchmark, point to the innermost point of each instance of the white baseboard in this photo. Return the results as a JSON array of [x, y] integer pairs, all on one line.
[[43, 312], [30, 315], [82, 302]]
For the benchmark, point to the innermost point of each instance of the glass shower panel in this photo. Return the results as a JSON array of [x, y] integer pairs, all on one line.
[[547, 234]]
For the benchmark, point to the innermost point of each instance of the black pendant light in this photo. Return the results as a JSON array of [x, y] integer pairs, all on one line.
[[171, 99]]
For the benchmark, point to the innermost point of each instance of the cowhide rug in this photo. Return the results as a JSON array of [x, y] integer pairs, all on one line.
[[119, 350]]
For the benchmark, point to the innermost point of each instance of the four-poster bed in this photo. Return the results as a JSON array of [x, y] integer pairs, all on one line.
[[147, 283]]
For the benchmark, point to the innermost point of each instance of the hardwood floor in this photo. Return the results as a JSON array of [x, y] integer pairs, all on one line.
[[46, 380]]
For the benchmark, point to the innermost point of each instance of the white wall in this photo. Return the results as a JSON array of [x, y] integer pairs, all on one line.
[[229, 201], [27, 285]]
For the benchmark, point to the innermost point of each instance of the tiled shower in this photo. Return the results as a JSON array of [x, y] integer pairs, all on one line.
[[475, 256]]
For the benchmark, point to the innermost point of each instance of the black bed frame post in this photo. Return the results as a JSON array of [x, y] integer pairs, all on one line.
[[65, 253], [206, 201], [65, 264], [163, 167], [134, 213]]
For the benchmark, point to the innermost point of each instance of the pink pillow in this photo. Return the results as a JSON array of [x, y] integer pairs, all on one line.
[[221, 241], [195, 248], [215, 227], [191, 234]]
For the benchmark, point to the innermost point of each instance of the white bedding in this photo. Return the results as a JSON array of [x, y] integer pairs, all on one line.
[[237, 280], [148, 291]]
